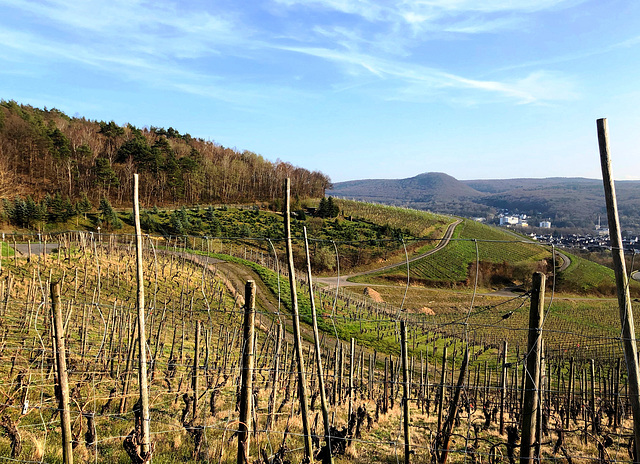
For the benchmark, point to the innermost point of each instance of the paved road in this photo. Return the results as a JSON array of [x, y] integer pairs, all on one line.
[[566, 261], [343, 282], [36, 248]]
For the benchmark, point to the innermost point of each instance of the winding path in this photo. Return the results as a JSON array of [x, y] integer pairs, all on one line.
[[343, 282]]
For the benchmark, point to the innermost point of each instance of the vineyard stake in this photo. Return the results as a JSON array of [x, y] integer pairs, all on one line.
[[569, 394], [443, 380], [447, 427], [405, 392], [532, 373], [244, 429], [503, 385], [194, 378], [302, 383], [622, 284], [63, 380], [316, 339], [142, 339], [276, 368], [351, 360]]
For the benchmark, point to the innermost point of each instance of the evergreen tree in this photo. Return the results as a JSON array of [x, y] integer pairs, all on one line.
[[83, 206], [108, 216]]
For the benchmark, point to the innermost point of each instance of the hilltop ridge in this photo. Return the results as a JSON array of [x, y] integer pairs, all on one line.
[[570, 202]]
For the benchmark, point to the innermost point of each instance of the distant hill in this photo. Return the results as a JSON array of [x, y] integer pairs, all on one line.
[[568, 202]]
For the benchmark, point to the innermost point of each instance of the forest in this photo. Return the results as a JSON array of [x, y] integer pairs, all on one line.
[[45, 151]]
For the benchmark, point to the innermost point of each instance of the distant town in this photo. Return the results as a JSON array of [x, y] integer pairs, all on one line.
[[596, 241]]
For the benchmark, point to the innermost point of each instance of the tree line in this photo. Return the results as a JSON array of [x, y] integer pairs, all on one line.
[[44, 151]]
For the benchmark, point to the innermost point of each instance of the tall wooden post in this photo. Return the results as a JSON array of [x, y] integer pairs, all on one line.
[[196, 365], [570, 393], [297, 339], [622, 284], [276, 371], [316, 340], [405, 392], [592, 369], [246, 392], [532, 373], [145, 441], [63, 379], [443, 380], [351, 365], [503, 385]]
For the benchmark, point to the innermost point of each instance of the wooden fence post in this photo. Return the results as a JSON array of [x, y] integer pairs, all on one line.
[[246, 392], [624, 298], [532, 372], [63, 380]]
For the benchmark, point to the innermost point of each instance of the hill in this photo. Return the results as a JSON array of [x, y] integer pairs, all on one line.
[[568, 202], [44, 151]]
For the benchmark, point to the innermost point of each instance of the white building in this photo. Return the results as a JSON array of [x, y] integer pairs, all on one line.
[[514, 220], [509, 220], [545, 225]]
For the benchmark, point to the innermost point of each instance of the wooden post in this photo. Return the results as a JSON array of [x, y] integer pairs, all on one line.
[[351, 360], [447, 427], [274, 385], [385, 399], [532, 372], [503, 385], [246, 392], [405, 392], [142, 338], [622, 284], [443, 380], [63, 379], [593, 396], [569, 394], [127, 372], [302, 382], [194, 378], [316, 340]]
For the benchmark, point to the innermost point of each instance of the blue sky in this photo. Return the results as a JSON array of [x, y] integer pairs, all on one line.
[[354, 88]]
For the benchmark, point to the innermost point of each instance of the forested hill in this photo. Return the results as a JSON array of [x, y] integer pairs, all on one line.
[[569, 202], [47, 152]]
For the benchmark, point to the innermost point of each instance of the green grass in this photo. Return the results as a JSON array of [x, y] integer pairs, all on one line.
[[416, 222], [6, 250], [586, 277], [471, 241]]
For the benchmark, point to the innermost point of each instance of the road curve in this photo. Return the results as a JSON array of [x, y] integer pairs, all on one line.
[[566, 261], [343, 282]]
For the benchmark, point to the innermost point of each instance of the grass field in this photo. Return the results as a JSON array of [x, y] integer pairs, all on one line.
[[471, 242]]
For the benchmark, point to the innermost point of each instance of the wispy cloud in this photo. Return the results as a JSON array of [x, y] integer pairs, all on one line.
[[168, 45], [428, 11], [410, 80]]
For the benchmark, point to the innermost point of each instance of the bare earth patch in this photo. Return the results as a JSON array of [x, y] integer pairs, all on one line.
[[375, 296]]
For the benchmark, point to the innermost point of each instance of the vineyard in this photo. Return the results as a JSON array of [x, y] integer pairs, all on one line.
[[465, 360]]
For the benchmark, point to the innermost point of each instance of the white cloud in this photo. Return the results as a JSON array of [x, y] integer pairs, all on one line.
[[411, 80], [157, 28]]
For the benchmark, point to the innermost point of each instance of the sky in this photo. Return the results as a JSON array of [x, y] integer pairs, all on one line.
[[478, 89]]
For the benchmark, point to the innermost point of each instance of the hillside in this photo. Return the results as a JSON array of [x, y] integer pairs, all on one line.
[[44, 151], [568, 202]]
